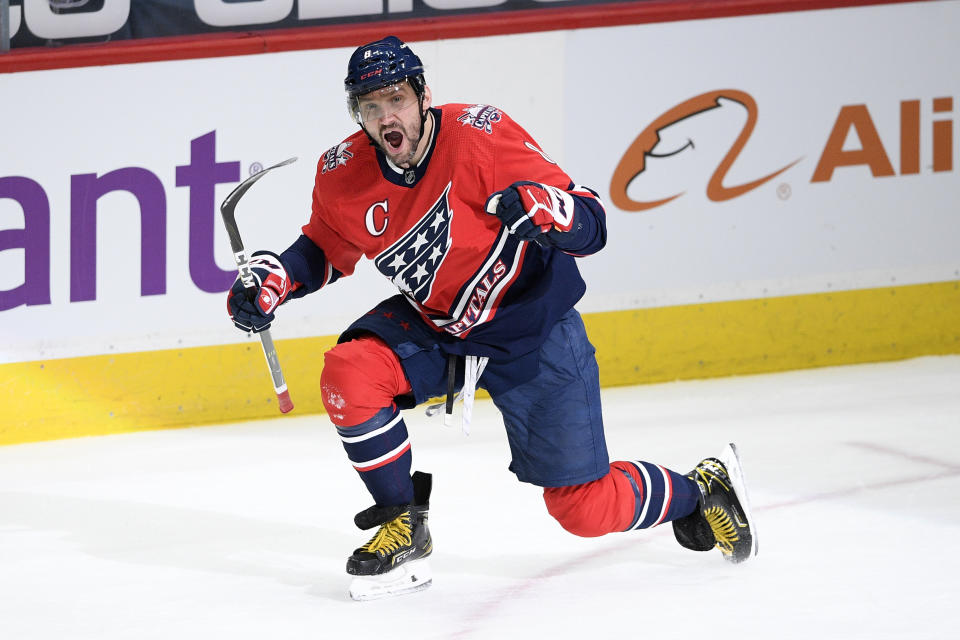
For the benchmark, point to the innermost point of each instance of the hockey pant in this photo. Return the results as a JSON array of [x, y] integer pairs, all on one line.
[[362, 377]]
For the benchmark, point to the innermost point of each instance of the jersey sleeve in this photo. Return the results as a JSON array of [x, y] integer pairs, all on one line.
[[519, 158], [321, 255], [321, 228], [308, 267]]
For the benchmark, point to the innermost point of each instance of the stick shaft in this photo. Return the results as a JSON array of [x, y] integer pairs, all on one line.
[[279, 384], [266, 341], [246, 276]]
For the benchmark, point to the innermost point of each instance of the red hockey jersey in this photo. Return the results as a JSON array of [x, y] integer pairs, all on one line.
[[426, 230]]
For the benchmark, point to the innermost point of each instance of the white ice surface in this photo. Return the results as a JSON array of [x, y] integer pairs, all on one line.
[[241, 531]]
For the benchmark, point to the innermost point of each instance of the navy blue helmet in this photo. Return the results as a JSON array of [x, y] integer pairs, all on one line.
[[380, 64]]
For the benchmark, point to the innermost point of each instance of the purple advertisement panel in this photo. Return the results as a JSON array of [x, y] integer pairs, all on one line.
[[200, 176]]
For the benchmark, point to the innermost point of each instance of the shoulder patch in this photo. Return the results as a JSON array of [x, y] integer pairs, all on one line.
[[480, 116], [336, 156]]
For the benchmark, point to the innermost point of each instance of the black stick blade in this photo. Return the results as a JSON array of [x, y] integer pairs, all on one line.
[[230, 203]]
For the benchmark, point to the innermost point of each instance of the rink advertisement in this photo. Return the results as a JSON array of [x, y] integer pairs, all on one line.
[[765, 212], [42, 22]]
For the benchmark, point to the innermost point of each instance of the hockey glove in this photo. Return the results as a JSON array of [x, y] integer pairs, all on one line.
[[253, 310], [531, 210]]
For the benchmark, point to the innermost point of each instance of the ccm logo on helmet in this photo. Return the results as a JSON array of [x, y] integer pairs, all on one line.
[[371, 74]]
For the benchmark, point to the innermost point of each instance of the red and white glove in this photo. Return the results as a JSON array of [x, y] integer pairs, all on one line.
[[253, 310], [530, 209]]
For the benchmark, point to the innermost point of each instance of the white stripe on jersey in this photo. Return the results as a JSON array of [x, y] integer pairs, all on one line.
[[328, 275], [468, 291], [490, 304]]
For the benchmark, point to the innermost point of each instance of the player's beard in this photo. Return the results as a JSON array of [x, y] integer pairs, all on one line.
[[399, 155]]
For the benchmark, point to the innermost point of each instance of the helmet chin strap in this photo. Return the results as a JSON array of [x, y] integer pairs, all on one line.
[[423, 123], [423, 117]]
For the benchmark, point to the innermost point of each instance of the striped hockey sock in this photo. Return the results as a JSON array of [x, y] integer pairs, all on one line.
[[660, 495], [380, 451]]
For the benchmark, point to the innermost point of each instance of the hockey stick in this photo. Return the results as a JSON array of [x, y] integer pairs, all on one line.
[[246, 277]]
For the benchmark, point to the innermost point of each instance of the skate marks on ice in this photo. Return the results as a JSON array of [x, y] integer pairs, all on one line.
[[947, 470], [175, 538], [852, 479], [243, 530], [476, 622]]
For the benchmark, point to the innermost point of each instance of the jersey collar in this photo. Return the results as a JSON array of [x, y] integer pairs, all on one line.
[[410, 177]]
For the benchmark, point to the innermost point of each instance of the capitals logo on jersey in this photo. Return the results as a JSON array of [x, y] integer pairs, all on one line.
[[411, 262], [336, 156], [481, 116]]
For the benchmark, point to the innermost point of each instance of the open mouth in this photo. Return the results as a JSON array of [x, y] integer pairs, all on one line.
[[394, 139]]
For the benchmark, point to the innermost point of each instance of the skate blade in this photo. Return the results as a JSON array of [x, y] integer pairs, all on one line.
[[409, 577], [731, 460]]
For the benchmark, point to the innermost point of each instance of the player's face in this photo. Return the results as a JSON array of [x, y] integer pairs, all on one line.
[[391, 116]]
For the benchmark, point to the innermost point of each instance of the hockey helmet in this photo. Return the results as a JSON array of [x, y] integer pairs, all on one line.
[[380, 64]]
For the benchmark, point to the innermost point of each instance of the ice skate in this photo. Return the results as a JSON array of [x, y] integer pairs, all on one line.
[[394, 561], [723, 519]]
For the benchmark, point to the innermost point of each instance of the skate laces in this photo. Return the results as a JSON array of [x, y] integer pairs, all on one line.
[[723, 529], [710, 471], [391, 536]]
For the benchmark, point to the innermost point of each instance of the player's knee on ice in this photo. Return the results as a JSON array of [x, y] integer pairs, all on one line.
[[594, 508], [633, 495]]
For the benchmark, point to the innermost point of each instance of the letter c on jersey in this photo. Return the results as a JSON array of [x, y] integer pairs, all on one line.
[[371, 218]]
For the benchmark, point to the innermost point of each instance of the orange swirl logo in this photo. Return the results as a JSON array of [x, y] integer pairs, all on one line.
[[633, 162]]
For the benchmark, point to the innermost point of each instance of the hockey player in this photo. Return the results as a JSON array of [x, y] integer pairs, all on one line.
[[480, 231]]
